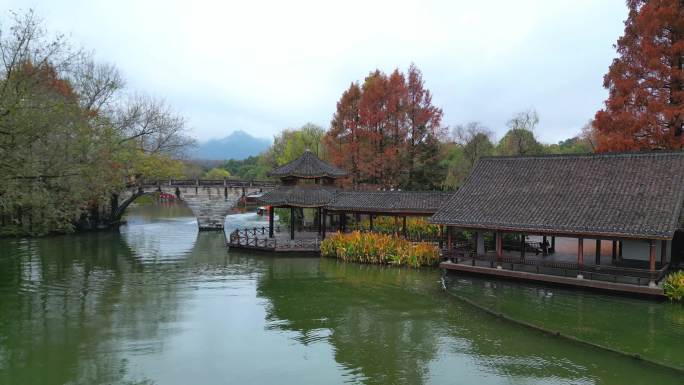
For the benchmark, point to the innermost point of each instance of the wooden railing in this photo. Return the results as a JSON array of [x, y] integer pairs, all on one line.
[[257, 238], [568, 269], [252, 232], [253, 243], [248, 238]]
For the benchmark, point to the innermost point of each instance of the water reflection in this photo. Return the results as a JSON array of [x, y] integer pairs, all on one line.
[[393, 326], [637, 326], [56, 304], [163, 303]]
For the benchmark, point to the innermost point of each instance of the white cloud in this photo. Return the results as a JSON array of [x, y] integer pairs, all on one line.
[[266, 65]]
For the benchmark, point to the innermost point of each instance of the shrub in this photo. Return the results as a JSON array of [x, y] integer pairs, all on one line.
[[674, 286], [379, 249], [416, 227]]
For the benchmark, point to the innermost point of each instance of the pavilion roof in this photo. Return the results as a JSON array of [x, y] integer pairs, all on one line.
[[301, 195], [631, 195], [308, 165], [390, 202]]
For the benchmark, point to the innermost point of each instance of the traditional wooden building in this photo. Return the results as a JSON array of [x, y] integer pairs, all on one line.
[[397, 204], [306, 182], [628, 205], [310, 183]]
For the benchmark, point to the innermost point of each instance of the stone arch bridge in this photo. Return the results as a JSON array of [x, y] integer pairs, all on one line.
[[209, 200]]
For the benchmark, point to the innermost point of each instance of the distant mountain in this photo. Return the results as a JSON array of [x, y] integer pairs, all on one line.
[[238, 145]]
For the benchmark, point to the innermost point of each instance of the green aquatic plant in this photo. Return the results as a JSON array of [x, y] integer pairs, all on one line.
[[674, 286]]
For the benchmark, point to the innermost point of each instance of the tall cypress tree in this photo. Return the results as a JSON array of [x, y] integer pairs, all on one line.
[[645, 107]]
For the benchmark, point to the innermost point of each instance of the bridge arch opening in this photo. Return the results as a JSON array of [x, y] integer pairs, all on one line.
[[209, 202]]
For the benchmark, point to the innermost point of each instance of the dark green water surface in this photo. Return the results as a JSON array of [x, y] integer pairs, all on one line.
[[160, 303]]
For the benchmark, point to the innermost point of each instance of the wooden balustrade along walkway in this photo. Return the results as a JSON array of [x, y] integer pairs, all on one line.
[[307, 239], [257, 239], [612, 276], [538, 266]]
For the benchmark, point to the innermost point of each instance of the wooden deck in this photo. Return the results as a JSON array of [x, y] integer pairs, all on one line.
[[257, 239], [614, 287]]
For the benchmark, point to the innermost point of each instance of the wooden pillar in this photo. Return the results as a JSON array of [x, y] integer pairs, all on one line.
[[449, 244], [404, 227], [614, 251], [663, 253], [370, 222], [620, 250], [553, 243], [323, 223], [318, 220], [580, 255], [499, 245], [292, 222], [597, 258], [270, 221], [343, 221], [652, 261], [545, 249], [522, 247], [441, 236]]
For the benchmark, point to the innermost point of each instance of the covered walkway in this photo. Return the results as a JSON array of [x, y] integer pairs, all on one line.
[[308, 190], [628, 205]]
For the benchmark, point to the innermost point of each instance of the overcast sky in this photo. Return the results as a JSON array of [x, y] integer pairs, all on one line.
[[262, 66]]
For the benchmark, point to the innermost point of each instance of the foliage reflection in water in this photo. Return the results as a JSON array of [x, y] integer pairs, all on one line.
[[161, 303]]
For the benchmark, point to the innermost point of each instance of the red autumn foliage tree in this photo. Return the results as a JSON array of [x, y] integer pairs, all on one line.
[[342, 141], [645, 107], [385, 132]]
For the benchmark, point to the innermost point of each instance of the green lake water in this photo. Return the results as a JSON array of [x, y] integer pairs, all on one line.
[[160, 303]]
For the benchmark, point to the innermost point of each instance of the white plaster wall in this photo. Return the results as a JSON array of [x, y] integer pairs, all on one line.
[[480, 247], [639, 250]]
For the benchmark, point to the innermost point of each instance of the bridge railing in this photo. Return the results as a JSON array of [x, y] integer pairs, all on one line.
[[208, 182]]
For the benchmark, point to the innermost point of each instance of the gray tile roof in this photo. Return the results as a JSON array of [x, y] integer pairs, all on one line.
[[636, 195], [299, 196], [418, 202], [308, 166]]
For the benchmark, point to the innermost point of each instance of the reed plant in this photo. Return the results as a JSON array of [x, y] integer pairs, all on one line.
[[380, 249]]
